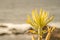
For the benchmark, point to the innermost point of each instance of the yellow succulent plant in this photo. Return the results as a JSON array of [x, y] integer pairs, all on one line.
[[38, 21]]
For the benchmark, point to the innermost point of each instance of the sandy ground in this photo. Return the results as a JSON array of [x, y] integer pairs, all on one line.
[[16, 37]]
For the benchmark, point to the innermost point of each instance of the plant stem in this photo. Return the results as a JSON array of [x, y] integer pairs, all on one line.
[[48, 36], [39, 33], [33, 38], [49, 33]]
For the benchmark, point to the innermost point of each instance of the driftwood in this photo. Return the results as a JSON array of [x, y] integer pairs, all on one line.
[[9, 28]]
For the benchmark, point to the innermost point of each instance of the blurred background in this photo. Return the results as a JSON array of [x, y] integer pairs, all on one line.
[[16, 11]]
